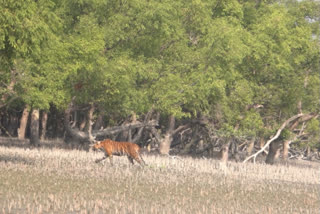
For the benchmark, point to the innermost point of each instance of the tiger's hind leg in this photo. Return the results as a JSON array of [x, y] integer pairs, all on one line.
[[144, 163], [139, 159], [130, 160]]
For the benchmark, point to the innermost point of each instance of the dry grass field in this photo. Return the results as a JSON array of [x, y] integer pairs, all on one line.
[[53, 180]]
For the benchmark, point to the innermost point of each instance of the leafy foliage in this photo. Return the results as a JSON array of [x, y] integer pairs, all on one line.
[[183, 58]]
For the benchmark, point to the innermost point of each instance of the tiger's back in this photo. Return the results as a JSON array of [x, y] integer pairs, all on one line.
[[120, 148]]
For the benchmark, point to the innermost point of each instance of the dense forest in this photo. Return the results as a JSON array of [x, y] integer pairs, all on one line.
[[185, 76]]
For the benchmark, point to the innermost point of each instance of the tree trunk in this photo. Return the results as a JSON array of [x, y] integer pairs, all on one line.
[[285, 149], [75, 119], [224, 153], [284, 125], [76, 135], [83, 124], [187, 147], [34, 128], [200, 145], [44, 120], [133, 120], [308, 152], [250, 147], [99, 122], [89, 122], [165, 143], [274, 152], [127, 135], [261, 142], [233, 149], [23, 123], [13, 124], [145, 121]]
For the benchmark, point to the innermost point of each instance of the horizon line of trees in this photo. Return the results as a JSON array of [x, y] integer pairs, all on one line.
[[183, 77]]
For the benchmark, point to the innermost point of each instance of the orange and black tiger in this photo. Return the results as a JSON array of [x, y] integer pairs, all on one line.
[[110, 148]]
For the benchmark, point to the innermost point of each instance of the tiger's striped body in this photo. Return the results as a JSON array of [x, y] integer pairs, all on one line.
[[110, 148]]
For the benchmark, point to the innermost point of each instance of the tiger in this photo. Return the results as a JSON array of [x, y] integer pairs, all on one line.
[[110, 148]]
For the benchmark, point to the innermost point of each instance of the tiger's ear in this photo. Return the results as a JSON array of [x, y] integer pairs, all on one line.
[[94, 143]]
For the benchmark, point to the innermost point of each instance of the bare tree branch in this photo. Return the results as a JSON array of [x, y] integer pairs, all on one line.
[[146, 119], [155, 134], [84, 136], [180, 128], [275, 137], [117, 129]]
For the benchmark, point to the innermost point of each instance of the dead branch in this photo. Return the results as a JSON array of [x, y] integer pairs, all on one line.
[[85, 137], [155, 134], [75, 134], [274, 138], [180, 128], [182, 132], [5, 130], [116, 129], [303, 119], [146, 119]]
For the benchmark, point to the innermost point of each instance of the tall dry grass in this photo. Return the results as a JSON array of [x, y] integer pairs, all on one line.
[[68, 181]]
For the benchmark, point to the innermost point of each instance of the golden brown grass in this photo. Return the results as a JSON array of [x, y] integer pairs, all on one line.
[[68, 181]]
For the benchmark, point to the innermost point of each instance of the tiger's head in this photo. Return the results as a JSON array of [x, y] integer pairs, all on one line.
[[97, 145]]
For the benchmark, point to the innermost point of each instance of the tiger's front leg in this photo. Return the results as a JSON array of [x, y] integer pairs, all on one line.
[[111, 159], [101, 159]]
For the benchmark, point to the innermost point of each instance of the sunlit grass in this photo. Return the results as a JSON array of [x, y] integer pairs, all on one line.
[[63, 181]]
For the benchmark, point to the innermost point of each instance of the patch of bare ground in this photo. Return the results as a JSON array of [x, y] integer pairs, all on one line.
[[52, 180]]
